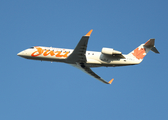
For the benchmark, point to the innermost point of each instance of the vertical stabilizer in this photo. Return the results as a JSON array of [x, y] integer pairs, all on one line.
[[141, 51]]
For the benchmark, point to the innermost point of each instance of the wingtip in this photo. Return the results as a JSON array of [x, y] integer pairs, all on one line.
[[89, 33], [111, 81]]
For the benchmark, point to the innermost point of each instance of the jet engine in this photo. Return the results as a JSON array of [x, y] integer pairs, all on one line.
[[110, 51]]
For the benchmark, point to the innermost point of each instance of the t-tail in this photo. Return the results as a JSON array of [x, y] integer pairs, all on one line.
[[140, 52]]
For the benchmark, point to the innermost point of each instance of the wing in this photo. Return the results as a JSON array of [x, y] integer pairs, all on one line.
[[91, 73], [78, 58], [78, 54]]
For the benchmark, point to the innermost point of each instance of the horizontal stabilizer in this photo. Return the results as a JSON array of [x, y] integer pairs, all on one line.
[[151, 44], [155, 50]]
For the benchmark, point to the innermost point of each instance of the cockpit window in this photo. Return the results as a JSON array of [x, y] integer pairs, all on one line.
[[31, 48]]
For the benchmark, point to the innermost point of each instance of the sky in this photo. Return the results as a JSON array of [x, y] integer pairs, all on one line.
[[35, 90]]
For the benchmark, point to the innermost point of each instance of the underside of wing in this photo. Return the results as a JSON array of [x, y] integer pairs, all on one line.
[[78, 54], [91, 73]]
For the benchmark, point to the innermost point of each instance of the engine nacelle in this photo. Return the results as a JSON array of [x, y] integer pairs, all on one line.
[[110, 51]]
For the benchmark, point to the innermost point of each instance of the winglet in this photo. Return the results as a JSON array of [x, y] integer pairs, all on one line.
[[111, 81], [89, 33]]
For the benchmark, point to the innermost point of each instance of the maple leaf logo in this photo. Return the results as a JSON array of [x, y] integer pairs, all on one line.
[[139, 53]]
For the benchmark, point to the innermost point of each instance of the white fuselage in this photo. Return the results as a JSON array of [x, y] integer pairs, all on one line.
[[94, 59], [82, 59]]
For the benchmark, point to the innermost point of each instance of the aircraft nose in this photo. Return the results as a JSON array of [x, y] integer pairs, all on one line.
[[20, 53]]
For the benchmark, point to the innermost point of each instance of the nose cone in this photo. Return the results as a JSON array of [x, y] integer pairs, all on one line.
[[20, 54]]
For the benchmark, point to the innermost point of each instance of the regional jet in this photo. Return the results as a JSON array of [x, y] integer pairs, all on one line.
[[84, 60]]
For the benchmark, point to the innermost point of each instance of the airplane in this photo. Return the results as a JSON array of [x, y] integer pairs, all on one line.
[[84, 60]]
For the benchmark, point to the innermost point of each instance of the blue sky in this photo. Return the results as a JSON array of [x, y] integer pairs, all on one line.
[[35, 90]]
